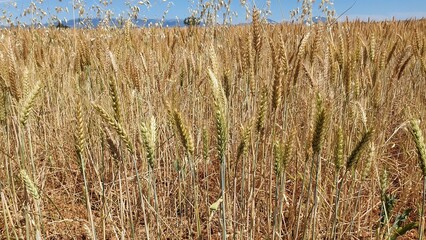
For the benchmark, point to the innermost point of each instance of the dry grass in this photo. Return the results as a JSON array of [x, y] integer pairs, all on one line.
[[251, 121]]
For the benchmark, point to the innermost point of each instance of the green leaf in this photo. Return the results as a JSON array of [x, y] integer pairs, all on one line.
[[388, 202], [403, 230], [401, 218], [216, 204]]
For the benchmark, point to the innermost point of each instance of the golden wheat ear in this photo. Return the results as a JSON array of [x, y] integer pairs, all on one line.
[[184, 133], [257, 35], [12, 73], [116, 126]]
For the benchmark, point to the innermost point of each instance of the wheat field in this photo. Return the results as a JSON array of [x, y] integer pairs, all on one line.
[[246, 132]]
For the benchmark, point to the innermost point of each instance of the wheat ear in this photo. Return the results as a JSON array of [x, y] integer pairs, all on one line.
[[116, 126], [221, 127], [28, 104], [317, 142], [29, 184], [80, 142], [183, 131], [149, 132], [356, 152], [421, 152]]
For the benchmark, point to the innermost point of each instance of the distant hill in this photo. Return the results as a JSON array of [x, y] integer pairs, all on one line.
[[95, 22], [114, 22], [268, 20], [318, 19]]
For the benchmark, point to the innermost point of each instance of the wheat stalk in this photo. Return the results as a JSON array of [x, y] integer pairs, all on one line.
[[261, 114], [276, 87], [81, 139], [149, 135], [81, 136], [351, 162], [282, 155], [221, 127], [317, 142], [3, 104]]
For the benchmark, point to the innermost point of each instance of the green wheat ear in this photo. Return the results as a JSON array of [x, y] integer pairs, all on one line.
[[216, 204], [244, 143], [28, 104], [319, 127], [29, 184], [420, 145], [149, 133], [356, 153], [282, 153], [220, 104], [278, 156], [338, 151]]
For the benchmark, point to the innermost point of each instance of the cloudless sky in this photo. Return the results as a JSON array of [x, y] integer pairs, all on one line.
[[280, 9]]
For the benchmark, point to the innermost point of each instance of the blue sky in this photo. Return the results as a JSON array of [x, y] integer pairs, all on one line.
[[363, 9]]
